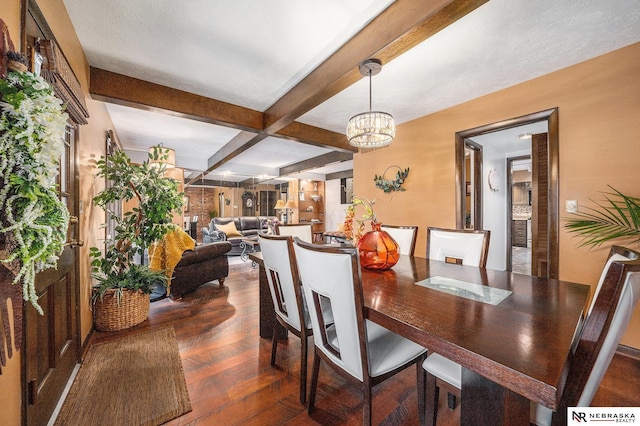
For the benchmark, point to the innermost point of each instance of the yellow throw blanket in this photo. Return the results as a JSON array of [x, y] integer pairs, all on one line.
[[166, 254]]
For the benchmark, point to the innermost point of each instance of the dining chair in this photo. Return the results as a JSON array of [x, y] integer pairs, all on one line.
[[595, 341], [461, 246], [288, 301], [405, 236], [300, 230], [359, 350]]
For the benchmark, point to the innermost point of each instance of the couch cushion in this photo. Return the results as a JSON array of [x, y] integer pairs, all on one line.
[[229, 229], [224, 220], [249, 223]]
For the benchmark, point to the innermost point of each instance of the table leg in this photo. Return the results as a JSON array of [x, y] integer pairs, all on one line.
[[267, 312], [245, 251], [484, 402]]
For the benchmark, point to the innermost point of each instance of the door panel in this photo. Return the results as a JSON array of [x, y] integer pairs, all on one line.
[[540, 205], [52, 340]]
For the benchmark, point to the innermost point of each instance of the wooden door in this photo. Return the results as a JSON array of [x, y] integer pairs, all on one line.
[[52, 341], [539, 205]]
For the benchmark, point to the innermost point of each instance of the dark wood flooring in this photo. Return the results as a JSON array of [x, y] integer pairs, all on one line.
[[230, 379]]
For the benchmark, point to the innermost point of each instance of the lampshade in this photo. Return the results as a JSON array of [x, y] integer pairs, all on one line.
[[373, 128], [162, 152], [290, 204], [279, 205]]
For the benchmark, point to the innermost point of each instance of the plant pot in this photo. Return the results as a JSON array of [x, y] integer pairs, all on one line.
[[133, 309], [377, 250]]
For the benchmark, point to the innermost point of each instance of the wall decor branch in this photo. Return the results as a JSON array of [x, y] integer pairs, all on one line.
[[389, 185]]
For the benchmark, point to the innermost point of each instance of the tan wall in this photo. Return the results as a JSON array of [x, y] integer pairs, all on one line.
[[598, 103], [91, 145]]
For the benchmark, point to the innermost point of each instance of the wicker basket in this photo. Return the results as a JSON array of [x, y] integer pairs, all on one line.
[[109, 316]]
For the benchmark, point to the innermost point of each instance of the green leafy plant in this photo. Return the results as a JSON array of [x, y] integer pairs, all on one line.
[[157, 197], [32, 215], [616, 217]]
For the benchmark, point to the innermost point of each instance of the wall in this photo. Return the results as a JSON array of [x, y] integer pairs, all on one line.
[[598, 103], [334, 211], [494, 207]]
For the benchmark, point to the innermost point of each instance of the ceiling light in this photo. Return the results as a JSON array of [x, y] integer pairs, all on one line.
[[525, 135], [373, 128], [166, 156]]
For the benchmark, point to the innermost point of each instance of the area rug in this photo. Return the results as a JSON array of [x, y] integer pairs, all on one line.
[[134, 380]]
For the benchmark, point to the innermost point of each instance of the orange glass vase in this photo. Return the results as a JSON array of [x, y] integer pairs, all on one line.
[[377, 249]]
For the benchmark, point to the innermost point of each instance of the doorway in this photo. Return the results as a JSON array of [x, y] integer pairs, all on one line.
[[487, 187]]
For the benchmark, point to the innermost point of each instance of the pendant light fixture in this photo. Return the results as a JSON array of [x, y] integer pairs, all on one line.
[[371, 129]]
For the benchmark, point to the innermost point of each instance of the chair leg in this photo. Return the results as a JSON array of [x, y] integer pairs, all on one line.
[[303, 368], [221, 281], [432, 395], [274, 342], [421, 380], [314, 381], [366, 404]]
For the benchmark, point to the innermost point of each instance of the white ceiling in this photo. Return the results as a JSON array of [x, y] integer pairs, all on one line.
[[250, 53]]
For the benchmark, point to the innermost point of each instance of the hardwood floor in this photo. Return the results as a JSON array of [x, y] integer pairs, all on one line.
[[230, 379]]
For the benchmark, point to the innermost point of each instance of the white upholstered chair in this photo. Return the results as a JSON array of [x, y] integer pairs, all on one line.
[[302, 231], [462, 246], [595, 342], [405, 236], [286, 293], [359, 350]]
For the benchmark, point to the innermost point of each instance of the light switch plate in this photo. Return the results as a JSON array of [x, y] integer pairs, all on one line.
[[572, 206]]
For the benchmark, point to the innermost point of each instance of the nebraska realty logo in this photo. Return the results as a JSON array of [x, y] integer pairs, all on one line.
[[587, 415]]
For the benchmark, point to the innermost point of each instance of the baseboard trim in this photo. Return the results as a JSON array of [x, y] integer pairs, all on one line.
[[629, 352]]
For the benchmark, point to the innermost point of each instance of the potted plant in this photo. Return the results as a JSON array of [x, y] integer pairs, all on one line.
[[121, 295], [617, 217]]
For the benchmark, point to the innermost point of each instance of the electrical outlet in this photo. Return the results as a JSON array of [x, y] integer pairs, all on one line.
[[572, 206]]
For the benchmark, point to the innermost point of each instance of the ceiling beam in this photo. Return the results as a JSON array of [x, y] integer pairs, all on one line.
[[403, 25], [340, 175], [312, 163], [304, 133], [120, 89]]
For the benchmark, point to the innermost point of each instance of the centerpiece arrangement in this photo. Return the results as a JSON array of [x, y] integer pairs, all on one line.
[[121, 296], [376, 248]]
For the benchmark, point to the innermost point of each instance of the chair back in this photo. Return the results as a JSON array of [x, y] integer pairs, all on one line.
[[405, 236], [330, 276], [302, 231], [462, 246], [282, 275], [610, 313]]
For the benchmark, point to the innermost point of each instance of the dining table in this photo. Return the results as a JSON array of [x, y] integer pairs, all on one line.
[[511, 333]]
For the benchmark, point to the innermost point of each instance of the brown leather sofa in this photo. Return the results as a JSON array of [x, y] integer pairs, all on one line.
[[207, 262]]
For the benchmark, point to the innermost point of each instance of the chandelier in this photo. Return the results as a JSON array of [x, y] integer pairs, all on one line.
[[371, 129]]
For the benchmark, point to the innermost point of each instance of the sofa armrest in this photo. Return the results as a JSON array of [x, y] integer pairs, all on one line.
[[212, 236], [204, 252]]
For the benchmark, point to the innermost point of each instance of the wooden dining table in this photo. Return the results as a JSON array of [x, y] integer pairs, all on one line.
[[511, 352]]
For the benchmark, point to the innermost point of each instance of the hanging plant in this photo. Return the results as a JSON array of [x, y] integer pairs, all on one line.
[[388, 185], [32, 216]]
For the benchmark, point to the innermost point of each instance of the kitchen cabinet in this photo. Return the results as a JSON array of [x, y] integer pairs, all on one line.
[[519, 233]]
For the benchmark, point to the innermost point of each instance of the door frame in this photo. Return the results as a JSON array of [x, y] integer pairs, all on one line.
[[551, 116], [509, 188]]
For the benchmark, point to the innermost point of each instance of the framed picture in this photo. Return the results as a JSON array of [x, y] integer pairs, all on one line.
[[185, 201], [468, 188]]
